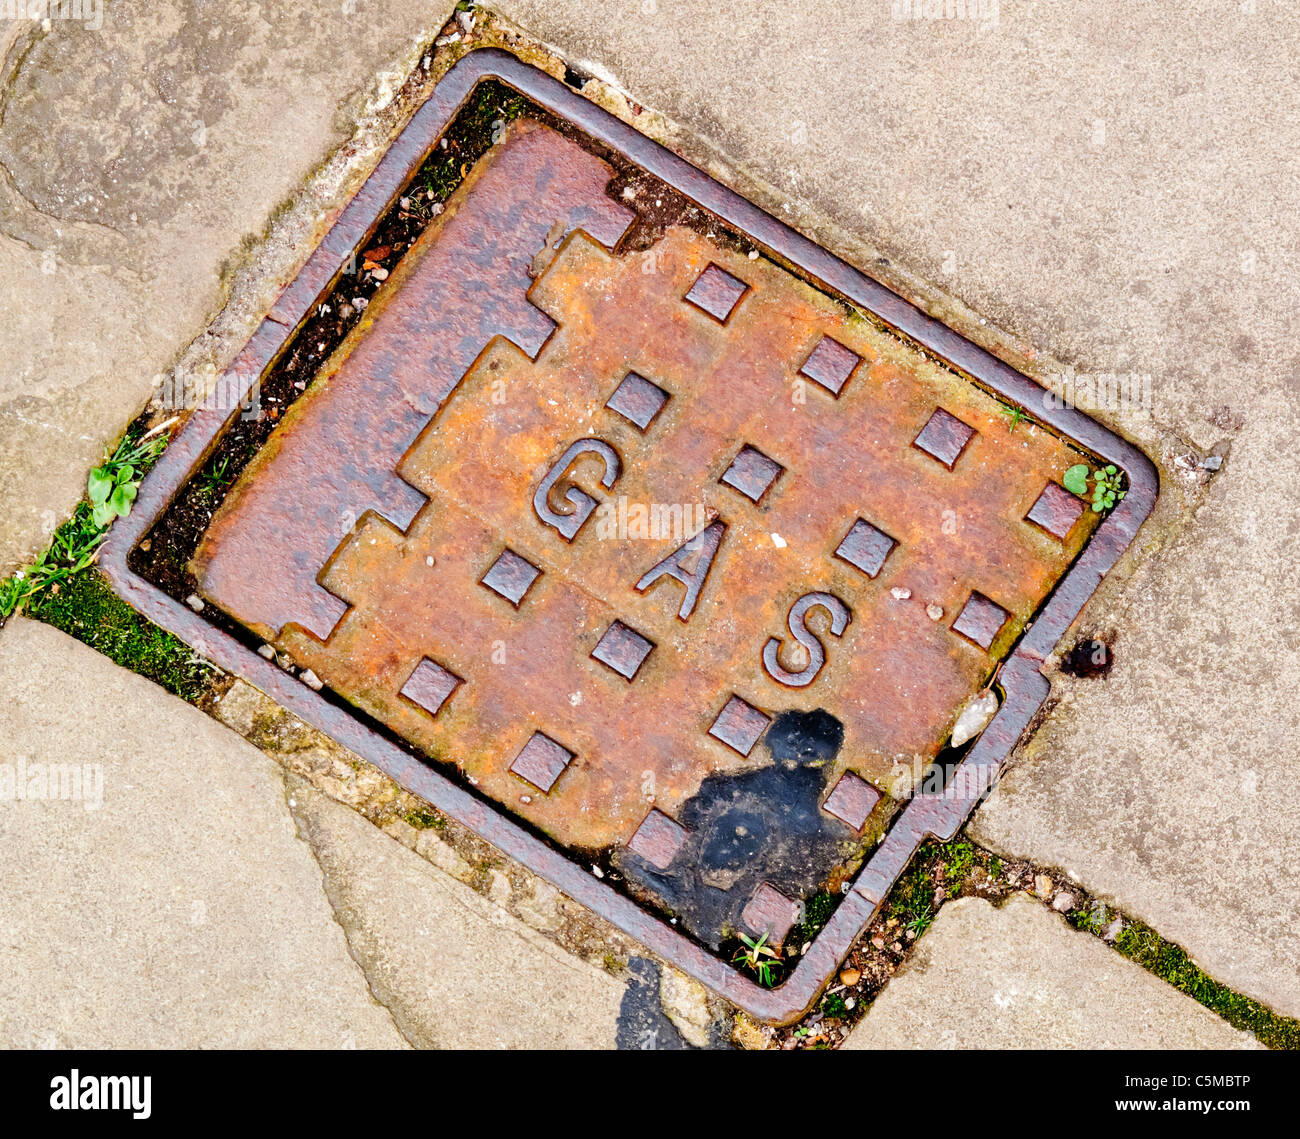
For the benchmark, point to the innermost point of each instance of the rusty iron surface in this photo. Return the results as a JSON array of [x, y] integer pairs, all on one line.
[[445, 530], [409, 353], [801, 606]]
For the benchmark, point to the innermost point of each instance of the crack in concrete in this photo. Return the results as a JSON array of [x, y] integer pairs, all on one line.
[[1025, 882], [302, 828]]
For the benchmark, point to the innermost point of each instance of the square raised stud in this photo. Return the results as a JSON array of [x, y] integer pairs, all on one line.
[[637, 400], [430, 685], [623, 649], [511, 576], [658, 839], [752, 473], [739, 725], [865, 547], [541, 761], [852, 800], [944, 437], [831, 365], [980, 620], [770, 912], [717, 292], [1056, 511]]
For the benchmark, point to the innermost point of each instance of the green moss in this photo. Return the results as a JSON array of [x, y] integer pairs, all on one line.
[[85, 607], [833, 1007], [1141, 944], [471, 136], [817, 912], [958, 860], [1090, 919], [911, 901], [425, 820]]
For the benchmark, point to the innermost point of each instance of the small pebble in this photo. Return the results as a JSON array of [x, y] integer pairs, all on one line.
[[779, 542], [974, 718], [1212, 462], [267, 651], [380, 274], [934, 612], [429, 560], [901, 594], [195, 602], [525, 798], [596, 870], [753, 254], [312, 681], [850, 976], [1063, 903], [1042, 885]]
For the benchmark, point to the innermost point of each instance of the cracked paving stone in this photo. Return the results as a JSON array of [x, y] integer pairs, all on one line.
[[1019, 977], [184, 912], [455, 970]]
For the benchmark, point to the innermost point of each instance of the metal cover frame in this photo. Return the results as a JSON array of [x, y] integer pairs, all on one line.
[[937, 815]]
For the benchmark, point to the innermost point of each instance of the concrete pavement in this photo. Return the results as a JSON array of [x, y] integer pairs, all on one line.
[[1019, 977], [186, 898]]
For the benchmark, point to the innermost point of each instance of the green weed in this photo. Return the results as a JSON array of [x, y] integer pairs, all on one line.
[[110, 492]]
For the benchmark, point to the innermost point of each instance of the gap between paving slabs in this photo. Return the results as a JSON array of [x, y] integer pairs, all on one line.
[[64, 611]]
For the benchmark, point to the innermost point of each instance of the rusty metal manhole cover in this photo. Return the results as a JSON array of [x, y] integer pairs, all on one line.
[[660, 555]]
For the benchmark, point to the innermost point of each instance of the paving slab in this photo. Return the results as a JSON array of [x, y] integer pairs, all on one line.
[[171, 905], [1169, 786], [1019, 977], [182, 130], [456, 969], [1105, 191]]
